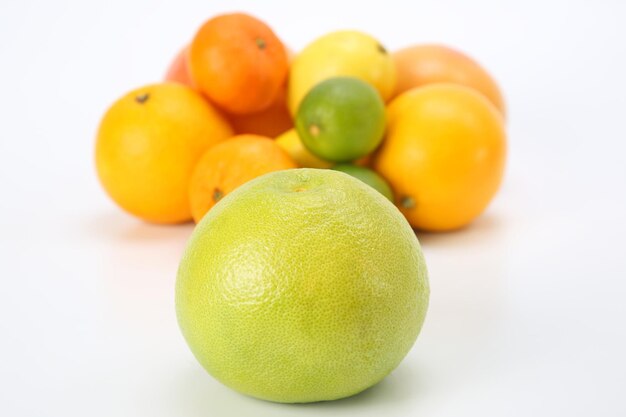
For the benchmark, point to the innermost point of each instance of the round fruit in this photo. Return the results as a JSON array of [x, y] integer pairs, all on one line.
[[426, 64], [178, 71], [444, 155], [341, 119], [365, 161], [302, 285], [368, 176], [148, 144], [342, 53], [238, 62], [291, 143], [228, 165], [271, 122]]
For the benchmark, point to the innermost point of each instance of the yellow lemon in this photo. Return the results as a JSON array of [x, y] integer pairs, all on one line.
[[291, 143], [342, 53]]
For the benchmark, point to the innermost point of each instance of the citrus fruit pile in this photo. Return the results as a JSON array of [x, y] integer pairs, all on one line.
[[307, 173], [424, 125]]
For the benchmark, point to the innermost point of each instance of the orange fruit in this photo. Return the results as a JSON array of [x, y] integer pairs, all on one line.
[[272, 121], [238, 62], [426, 64], [147, 145], [444, 155], [228, 165], [178, 70]]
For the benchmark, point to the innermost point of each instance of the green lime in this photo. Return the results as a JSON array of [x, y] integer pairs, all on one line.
[[369, 177], [341, 119]]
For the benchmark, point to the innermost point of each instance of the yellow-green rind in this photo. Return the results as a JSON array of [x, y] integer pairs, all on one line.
[[300, 286]]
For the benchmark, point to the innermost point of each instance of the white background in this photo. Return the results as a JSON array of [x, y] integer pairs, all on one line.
[[528, 308]]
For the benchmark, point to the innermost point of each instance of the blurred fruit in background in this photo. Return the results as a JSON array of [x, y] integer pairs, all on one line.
[[365, 161], [291, 143], [178, 70], [271, 121], [420, 65], [444, 155], [147, 146], [443, 152], [368, 176], [341, 119], [238, 62], [228, 165], [341, 53]]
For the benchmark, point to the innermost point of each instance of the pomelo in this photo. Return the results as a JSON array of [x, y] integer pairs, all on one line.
[[302, 285]]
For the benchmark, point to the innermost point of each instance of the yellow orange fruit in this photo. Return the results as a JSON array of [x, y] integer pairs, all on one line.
[[228, 165], [420, 65], [147, 145], [444, 155]]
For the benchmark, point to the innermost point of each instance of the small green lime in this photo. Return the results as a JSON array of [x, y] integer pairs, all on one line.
[[369, 177], [341, 119]]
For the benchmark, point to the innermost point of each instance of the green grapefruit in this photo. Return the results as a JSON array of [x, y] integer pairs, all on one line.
[[300, 286]]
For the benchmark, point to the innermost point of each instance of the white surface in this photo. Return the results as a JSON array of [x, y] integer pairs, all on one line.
[[527, 310]]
